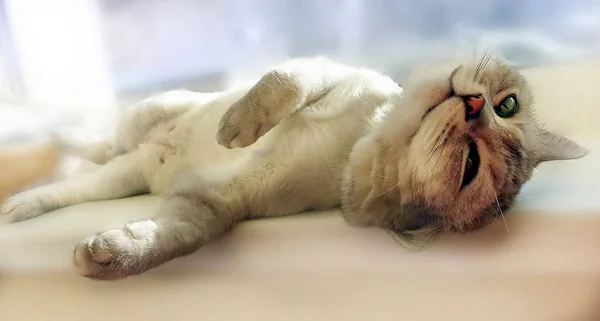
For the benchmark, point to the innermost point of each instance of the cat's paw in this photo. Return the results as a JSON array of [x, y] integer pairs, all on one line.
[[20, 207], [243, 125], [273, 98], [117, 253]]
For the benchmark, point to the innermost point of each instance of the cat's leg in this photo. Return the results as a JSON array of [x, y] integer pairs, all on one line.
[[135, 123], [280, 93], [121, 177], [98, 152], [139, 119], [192, 215]]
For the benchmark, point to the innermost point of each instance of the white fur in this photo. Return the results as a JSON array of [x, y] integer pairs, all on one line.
[[309, 134], [163, 138]]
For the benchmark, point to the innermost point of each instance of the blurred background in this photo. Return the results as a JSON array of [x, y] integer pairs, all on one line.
[[65, 62]]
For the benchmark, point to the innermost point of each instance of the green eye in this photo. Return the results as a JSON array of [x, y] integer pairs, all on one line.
[[508, 107]]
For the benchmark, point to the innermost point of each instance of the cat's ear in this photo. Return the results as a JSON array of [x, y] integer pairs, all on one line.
[[551, 147], [418, 239]]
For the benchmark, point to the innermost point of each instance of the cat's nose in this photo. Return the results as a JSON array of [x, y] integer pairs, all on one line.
[[474, 105]]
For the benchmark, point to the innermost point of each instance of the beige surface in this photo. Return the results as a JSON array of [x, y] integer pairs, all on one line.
[[314, 267]]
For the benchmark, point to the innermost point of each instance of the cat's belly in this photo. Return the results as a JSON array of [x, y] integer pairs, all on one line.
[[290, 157], [302, 154], [214, 162], [213, 169], [190, 144]]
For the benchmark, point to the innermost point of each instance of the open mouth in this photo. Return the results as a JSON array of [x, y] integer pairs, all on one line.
[[470, 165]]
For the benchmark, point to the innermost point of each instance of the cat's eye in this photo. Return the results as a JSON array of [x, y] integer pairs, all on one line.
[[471, 165], [508, 107]]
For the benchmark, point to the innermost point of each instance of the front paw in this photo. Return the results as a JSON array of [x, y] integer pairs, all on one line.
[[242, 125], [273, 98], [118, 253], [20, 207]]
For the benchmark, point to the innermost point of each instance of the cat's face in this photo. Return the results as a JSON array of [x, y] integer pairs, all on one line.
[[473, 142], [474, 147]]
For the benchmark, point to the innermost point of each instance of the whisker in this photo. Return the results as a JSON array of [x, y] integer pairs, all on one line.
[[479, 64], [485, 59], [433, 151], [387, 190], [495, 218], [438, 160], [436, 146], [368, 176], [503, 218]]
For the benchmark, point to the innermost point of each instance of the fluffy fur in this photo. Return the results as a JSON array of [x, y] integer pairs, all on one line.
[[310, 134]]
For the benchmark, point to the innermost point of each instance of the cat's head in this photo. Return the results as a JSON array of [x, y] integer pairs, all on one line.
[[456, 150]]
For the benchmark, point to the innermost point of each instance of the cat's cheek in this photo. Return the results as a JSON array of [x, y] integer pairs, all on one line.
[[357, 179]]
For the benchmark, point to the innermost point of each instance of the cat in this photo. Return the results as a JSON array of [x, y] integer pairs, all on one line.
[[447, 152]]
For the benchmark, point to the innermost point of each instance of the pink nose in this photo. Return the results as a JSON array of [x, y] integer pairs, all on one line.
[[475, 105]]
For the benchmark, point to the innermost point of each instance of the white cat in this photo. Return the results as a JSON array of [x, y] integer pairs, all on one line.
[[447, 154]]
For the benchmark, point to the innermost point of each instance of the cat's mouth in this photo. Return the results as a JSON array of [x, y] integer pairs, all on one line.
[[470, 165]]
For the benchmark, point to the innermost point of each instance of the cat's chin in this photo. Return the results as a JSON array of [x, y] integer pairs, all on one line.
[[463, 226]]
